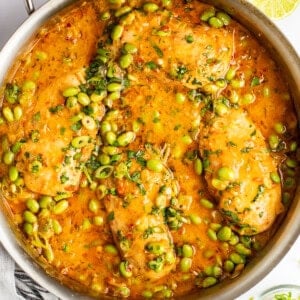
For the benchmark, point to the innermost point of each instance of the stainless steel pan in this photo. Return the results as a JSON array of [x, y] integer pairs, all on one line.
[[289, 230]]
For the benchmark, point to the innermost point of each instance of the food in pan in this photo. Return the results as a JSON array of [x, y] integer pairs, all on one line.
[[147, 147]]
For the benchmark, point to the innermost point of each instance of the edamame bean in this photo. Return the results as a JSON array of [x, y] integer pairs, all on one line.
[[29, 217], [212, 234], [8, 157], [48, 253], [209, 281], [8, 114], [187, 250], [225, 18], [110, 137], [215, 22], [279, 128], [129, 48], [104, 159], [236, 258], [32, 205], [206, 203], [122, 11], [125, 269], [224, 234], [56, 227], [83, 99], [13, 173], [105, 16], [198, 166], [155, 165], [98, 97], [93, 205], [46, 201], [110, 150], [226, 173], [207, 14], [275, 177], [237, 83], [60, 207], [241, 249], [80, 141], [228, 266], [111, 249], [28, 86], [218, 184], [247, 99], [71, 91], [98, 220], [28, 228], [291, 163], [126, 60], [195, 219], [150, 7], [117, 32], [180, 98], [147, 294], [126, 138], [114, 87], [18, 112], [185, 264], [273, 141], [186, 139]]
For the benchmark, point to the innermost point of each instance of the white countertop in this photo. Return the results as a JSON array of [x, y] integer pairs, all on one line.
[[12, 14]]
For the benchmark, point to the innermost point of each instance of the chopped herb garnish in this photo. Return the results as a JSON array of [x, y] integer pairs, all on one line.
[[64, 178], [36, 117], [255, 81], [158, 50], [111, 216], [189, 38], [151, 65]]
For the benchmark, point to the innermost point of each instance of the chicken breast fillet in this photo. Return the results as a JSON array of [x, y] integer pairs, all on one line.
[[238, 166]]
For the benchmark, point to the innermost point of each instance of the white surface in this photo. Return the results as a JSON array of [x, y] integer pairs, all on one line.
[[12, 14]]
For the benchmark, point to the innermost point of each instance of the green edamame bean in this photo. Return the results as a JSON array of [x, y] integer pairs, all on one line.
[[117, 32], [212, 234], [8, 157], [18, 112], [114, 87], [28, 86], [32, 205], [110, 137], [221, 109], [122, 11], [104, 159], [279, 128], [195, 219], [241, 249], [236, 258], [155, 165], [206, 203], [273, 141], [28, 228], [225, 18], [230, 74], [275, 177], [60, 207], [71, 91], [180, 98], [8, 114], [186, 139], [147, 294], [209, 281], [185, 264], [46, 201], [110, 150], [48, 254], [56, 227], [228, 266], [126, 60], [291, 163], [93, 205], [111, 249], [225, 173], [187, 250], [215, 22], [83, 99], [218, 184], [198, 166], [29, 217], [207, 14], [129, 48], [237, 83], [98, 220], [105, 16], [150, 7], [80, 141], [125, 269], [224, 234], [125, 138], [13, 173]]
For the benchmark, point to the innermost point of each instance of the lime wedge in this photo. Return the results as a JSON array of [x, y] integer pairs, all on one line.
[[276, 9]]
